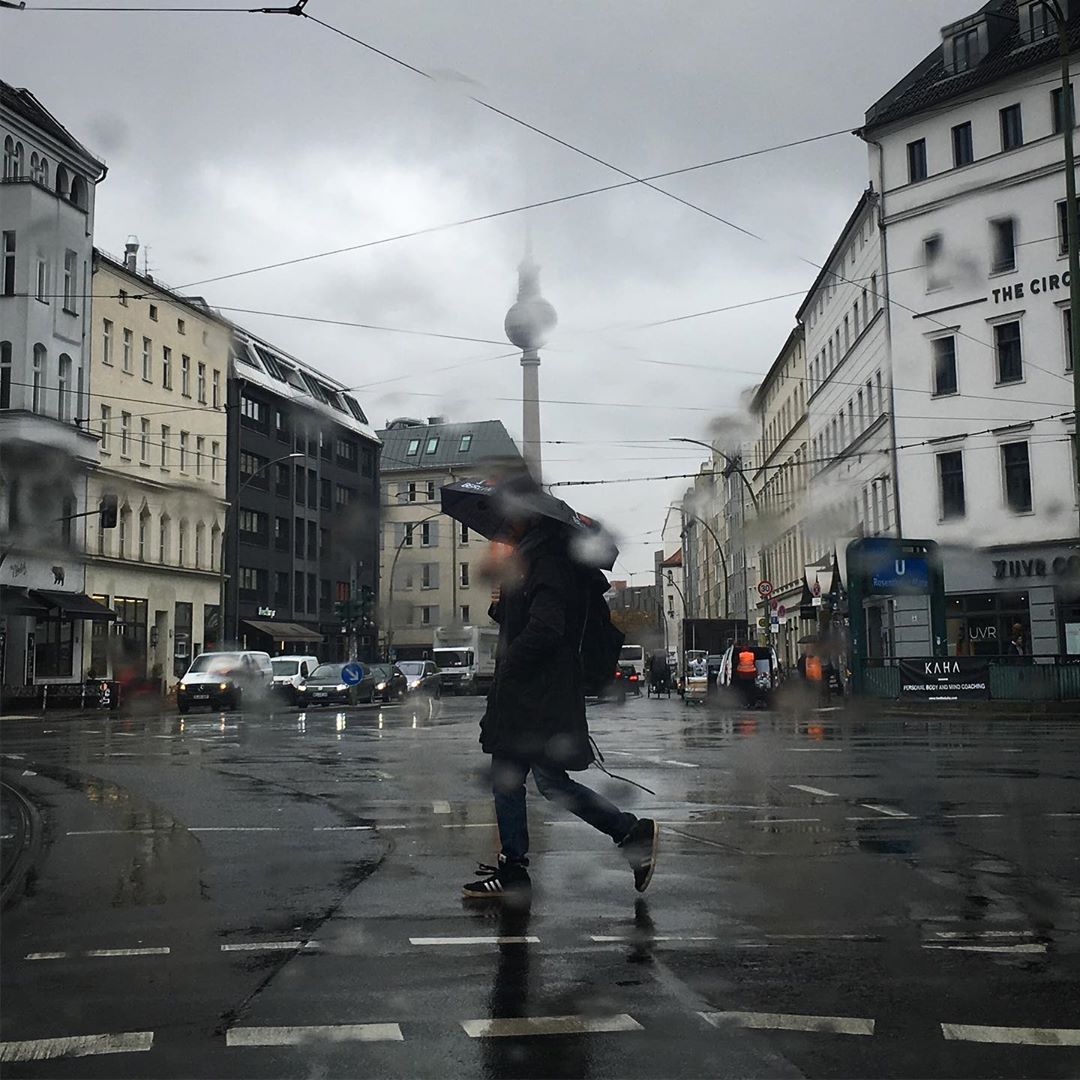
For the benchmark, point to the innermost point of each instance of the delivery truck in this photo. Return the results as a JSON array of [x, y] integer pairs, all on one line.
[[465, 656]]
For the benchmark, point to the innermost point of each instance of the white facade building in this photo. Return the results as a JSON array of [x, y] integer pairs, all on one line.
[[47, 225], [967, 153]]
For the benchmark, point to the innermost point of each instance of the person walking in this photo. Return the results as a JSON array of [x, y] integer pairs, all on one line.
[[535, 716]]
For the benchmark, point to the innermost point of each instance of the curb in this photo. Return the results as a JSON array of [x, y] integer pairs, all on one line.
[[30, 817]]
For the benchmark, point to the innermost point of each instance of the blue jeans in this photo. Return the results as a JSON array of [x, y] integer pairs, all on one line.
[[508, 786]]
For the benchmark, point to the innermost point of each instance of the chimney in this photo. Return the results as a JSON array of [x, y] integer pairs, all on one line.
[[436, 420], [131, 254]]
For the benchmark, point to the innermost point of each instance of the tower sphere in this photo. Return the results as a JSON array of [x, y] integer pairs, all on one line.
[[531, 318]]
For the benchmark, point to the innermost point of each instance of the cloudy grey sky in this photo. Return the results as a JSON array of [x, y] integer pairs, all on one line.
[[237, 140]]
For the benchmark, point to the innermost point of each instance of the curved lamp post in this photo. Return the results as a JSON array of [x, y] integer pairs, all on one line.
[[719, 551], [225, 539], [409, 526]]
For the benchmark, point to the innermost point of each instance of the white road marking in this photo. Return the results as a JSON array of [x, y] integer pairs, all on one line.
[[343, 828], [268, 946], [8, 836], [492, 824], [829, 708], [1069, 814], [964, 935], [815, 749], [959, 816], [527, 940], [647, 939], [781, 821], [46, 955], [297, 1036], [887, 810], [233, 828], [824, 937], [124, 1042], [548, 1025], [833, 1025], [440, 806], [1024, 1035], [16, 757], [814, 790], [682, 764], [113, 832], [160, 951], [29, 772], [1025, 947]]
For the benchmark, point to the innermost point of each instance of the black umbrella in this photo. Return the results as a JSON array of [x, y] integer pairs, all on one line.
[[488, 507]]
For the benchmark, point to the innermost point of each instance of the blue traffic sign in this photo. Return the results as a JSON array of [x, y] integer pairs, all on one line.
[[352, 673]]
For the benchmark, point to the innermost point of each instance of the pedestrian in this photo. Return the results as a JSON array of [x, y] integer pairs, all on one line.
[[1016, 642], [535, 716]]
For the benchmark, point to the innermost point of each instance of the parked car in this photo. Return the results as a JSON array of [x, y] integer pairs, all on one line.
[[423, 677], [290, 673], [325, 686], [224, 680], [389, 683]]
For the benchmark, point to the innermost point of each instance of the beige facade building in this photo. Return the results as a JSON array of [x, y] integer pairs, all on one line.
[[428, 562], [159, 367]]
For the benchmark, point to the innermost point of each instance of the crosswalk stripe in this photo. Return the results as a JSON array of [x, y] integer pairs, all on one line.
[[548, 1025], [76, 1046], [831, 1025], [1028, 1036], [314, 1033]]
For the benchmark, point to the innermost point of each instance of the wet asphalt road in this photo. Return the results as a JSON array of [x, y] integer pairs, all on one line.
[[279, 896]]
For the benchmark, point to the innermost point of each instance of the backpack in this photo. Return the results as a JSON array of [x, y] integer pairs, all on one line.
[[601, 640]]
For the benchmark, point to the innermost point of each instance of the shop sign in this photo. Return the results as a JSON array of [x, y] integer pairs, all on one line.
[[30, 657], [1050, 283], [1061, 566], [945, 678], [268, 612]]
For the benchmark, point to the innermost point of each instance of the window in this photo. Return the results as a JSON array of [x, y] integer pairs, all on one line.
[[1010, 365], [324, 494], [965, 50], [215, 458], [464, 579], [129, 342], [847, 333], [342, 495], [312, 489], [346, 453], [464, 534], [312, 595], [147, 359], [465, 445], [106, 341], [70, 280], [251, 468], [181, 326], [413, 448], [298, 536], [1012, 128], [963, 152], [63, 386], [916, 161], [252, 412], [1063, 227], [200, 453], [465, 613], [325, 447], [1017, 470], [185, 439], [1058, 116], [873, 290], [281, 483], [281, 588], [39, 169], [185, 375], [429, 576], [125, 434], [432, 445], [144, 440], [106, 420], [429, 534], [144, 529], [951, 485], [932, 252], [43, 281], [163, 539], [153, 312], [1038, 22], [249, 579], [429, 616], [9, 262], [1067, 324], [216, 401], [298, 591], [200, 543], [165, 434], [431, 491], [252, 526], [181, 544], [166, 367], [1003, 243], [122, 296]]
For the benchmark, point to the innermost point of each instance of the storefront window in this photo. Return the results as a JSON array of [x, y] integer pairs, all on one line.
[[988, 624], [182, 638], [99, 643], [53, 648], [130, 636]]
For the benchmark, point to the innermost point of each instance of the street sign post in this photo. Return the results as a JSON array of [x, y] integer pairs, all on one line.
[[764, 588], [351, 674]]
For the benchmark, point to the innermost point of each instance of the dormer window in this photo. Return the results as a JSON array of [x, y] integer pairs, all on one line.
[[966, 43], [965, 48], [1037, 21]]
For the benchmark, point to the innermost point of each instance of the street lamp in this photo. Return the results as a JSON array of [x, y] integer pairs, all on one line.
[[409, 526], [225, 539], [719, 551]]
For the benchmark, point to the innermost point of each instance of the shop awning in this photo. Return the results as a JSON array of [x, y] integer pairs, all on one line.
[[16, 601], [73, 605], [284, 631]]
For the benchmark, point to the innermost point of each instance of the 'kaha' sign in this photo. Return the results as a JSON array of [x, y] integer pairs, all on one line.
[[945, 678]]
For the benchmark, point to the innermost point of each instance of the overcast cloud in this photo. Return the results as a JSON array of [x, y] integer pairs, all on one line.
[[237, 140]]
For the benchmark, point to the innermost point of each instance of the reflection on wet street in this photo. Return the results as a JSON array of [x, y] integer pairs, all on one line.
[[837, 894]]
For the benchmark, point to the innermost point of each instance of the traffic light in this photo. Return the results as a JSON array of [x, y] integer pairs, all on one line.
[[108, 511]]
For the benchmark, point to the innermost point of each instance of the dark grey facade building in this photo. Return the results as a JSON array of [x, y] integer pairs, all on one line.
[[303, 489]]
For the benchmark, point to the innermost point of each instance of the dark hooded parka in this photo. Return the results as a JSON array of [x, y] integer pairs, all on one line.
[[536, 708]]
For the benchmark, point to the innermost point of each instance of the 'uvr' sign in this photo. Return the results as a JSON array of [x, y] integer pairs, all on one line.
[[945, 678]]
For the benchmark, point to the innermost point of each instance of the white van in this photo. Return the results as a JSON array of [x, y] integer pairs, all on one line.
[[290, 673], [223, 680]]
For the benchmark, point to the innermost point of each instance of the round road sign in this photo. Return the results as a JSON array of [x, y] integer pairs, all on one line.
[[352, 673], [764, 588], [781, 611]]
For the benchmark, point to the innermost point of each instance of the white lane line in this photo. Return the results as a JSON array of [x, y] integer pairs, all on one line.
[[527, 940], [268, 946], [114, 832], [490, 824], [548, 1025], [233, 828], [313, 1033], [967, 935], [162, 951], [829, 708], [343, 828], [887, 810], [124, 1042], [1023, 948], [647, 939], [440, 806], [29, 772], [814, 790], [682, 764], [46, 955], [815, 749], [1070, 814], [832, 1025], [781, 820], [957, 817], [1025, 1036]]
